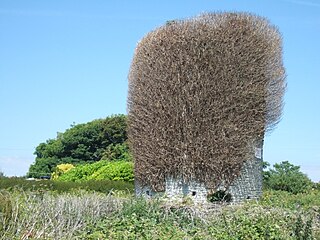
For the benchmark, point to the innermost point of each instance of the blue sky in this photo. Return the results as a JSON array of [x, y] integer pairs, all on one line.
[[67, 61]]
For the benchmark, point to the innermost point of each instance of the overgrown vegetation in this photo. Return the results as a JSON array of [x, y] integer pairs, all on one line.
[[202, 93], [104, 186], [102, 170], [84, 215], [93, 210], [43, 215], [83, 143]]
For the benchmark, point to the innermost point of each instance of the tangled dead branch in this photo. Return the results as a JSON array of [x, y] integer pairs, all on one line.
[[202, 91]]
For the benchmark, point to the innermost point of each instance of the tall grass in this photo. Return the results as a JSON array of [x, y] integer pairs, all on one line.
[[43, 215]]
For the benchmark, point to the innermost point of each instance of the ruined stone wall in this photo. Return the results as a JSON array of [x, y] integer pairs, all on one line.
[[247, 186], [176, 189]]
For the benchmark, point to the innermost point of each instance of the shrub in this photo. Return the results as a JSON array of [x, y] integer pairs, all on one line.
[[115, 171], [287, 177], [102, 170], [82, 143], [82, 172], [60, 169]]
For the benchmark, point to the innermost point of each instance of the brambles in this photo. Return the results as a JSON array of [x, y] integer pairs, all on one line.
[[202, 93]]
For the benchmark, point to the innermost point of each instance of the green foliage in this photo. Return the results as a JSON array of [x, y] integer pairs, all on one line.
[[81, 143], [303, 231], [115, 171], [45, 166], [117, 152], [104, 186], [141, 219], [284, 199], [287, 177], [82, 172], [316, 186], [102, 170], [60, 169]]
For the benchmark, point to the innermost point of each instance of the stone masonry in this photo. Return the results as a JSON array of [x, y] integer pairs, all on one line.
[[247, 186]]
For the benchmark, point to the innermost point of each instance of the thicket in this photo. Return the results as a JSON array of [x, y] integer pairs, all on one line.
[[82, 143], [202, 93]]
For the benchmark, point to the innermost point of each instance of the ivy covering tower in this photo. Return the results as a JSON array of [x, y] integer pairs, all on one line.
[[202, 94]]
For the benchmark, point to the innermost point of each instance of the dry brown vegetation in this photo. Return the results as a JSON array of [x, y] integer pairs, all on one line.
[[202, 93]]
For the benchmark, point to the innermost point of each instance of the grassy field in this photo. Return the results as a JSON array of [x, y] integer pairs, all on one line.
[[116, 214]]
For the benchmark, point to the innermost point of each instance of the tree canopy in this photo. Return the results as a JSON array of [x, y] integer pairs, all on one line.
[[287, 177], [82, 143]]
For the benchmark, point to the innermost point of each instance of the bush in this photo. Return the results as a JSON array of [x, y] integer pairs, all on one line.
[[102, 170], [115, 171], [287, 177], [60, 169]]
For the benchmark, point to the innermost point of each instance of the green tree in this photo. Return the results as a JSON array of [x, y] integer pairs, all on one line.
[[81, 143], [45, 166], [117, 152], [287, 177]]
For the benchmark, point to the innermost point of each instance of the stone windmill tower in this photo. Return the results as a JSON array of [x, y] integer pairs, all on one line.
[[202, 94]]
